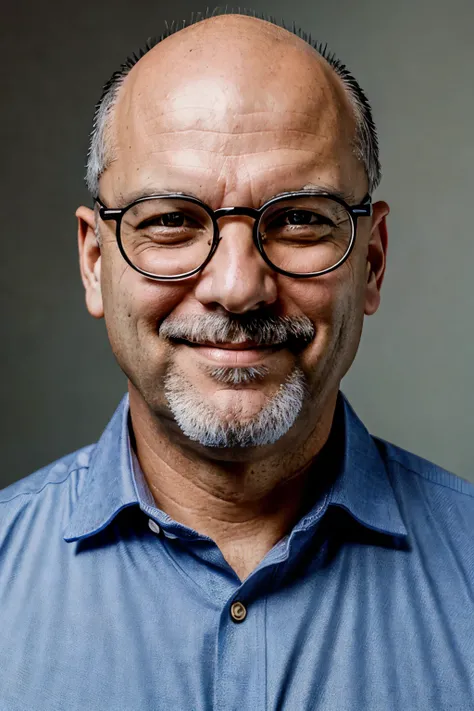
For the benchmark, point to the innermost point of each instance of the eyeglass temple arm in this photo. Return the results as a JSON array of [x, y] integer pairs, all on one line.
[[107, 213], [364, 209]]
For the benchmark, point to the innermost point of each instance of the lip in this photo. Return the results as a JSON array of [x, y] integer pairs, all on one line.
[[234, 354], [244, 346]]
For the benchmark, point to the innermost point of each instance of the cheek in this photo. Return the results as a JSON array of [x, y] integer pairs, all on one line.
[[346, 314], [324, 298], [334, 303], [134, 305]]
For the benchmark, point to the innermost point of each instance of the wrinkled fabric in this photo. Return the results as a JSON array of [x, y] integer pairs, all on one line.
[[367, 603]]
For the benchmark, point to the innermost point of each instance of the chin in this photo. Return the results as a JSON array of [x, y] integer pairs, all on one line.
[[247, 417]]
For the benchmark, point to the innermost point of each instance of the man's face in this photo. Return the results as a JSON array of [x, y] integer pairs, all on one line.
[[234, 122]]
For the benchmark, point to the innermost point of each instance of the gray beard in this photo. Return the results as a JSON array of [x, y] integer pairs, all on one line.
[[203, 423]]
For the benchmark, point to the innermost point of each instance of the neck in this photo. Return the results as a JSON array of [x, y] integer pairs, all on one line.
[[246, 506]]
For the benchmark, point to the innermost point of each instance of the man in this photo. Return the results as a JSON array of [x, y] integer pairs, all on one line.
[[236, 539]]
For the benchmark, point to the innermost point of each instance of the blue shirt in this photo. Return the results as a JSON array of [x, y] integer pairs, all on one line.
[[366, 605]]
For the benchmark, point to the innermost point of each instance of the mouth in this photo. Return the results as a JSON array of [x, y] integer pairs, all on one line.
[[246, 353]]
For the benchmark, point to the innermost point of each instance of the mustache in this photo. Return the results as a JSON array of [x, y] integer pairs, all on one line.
[[294, 331], [239, 376]]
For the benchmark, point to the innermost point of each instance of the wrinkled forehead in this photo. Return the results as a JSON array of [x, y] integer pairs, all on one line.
[[232, 99]]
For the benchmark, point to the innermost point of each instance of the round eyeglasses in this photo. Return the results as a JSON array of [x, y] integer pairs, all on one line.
[[299, 234]]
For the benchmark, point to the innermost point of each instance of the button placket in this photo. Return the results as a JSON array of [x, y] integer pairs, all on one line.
[[241, 636]]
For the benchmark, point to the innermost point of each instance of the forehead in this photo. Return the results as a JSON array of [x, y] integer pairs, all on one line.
[[230, 111]]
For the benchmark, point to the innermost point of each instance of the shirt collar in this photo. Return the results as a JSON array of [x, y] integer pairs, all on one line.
[[108, 485], [362, 486]]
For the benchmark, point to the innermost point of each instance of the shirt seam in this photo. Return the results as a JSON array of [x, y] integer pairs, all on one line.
[[425, 476], [38, 491]]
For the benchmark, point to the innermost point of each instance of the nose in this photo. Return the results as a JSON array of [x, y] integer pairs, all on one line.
[[237, 277]]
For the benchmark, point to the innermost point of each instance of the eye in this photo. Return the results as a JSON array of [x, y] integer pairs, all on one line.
[[299, 217], [172, 219], [303, 217]]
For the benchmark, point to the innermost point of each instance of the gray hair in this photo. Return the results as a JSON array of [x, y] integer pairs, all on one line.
[[100, 151], [204, 423]]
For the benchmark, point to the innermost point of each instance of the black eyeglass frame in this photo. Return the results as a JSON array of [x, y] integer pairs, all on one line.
[[363, 209]]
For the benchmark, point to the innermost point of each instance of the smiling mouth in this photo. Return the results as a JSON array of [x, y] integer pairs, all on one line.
[[234, 355]]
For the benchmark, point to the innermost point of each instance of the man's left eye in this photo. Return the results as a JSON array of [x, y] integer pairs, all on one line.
[[172, 219], [301, 217]]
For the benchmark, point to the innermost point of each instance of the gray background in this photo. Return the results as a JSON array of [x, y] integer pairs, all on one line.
[[411, 382]]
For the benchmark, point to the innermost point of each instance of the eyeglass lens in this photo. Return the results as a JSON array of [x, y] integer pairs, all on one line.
[[170, 237]]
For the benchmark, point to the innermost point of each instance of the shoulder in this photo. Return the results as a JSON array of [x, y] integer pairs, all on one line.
[[46, 490], [427, 474], [436, 504], [53, 474], [437, 508]]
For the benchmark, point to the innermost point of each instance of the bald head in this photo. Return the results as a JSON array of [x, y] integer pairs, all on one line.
[[238, 53], [221, 71]]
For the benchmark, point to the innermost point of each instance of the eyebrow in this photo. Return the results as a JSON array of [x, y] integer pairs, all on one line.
[[309, 187], [150, 192]]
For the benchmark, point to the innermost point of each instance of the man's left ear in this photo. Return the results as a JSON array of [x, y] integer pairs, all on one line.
[[376, 256]]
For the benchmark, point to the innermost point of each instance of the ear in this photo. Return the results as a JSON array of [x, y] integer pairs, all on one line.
[[376, 256], [89, 260]]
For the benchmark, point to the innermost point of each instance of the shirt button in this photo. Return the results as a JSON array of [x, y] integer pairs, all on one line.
[[153, 525], [238, 611]]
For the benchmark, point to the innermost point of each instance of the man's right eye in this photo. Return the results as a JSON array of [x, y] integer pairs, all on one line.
[[172, 219], [167, 219]]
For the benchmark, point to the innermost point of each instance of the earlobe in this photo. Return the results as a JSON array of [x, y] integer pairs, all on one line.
[[90, 260], [376, 257]]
